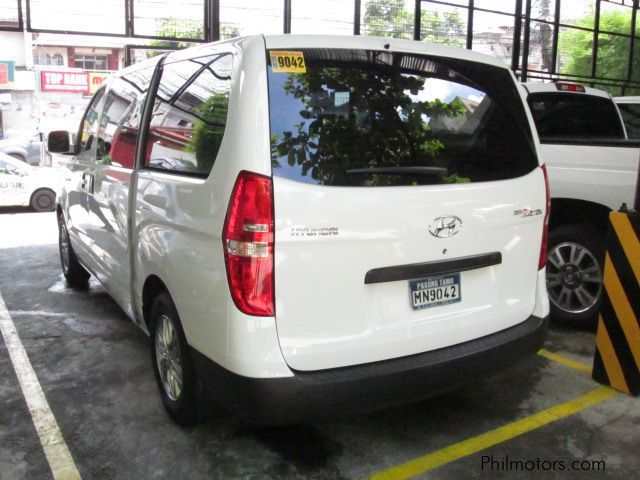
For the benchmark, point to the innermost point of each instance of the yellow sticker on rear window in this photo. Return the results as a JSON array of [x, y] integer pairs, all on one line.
[[288, 62]]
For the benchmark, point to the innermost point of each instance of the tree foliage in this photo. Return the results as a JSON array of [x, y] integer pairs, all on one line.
[[576, 47], [390, 18], [208, 130], [184, 28]]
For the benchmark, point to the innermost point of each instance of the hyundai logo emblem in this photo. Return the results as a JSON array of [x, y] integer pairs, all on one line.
[[444, 227]]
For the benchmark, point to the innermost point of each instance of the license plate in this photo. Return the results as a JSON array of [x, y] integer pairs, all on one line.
[[435, 291]]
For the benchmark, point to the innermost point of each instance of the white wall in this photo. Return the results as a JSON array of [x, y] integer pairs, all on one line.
[[12, 47]]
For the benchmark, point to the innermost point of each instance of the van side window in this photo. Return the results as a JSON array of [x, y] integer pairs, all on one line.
[[90, 122], [631, 116], [120, 122], [189, 115]]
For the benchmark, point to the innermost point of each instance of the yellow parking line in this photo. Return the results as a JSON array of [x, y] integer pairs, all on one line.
[[473, 445], [565, 361]]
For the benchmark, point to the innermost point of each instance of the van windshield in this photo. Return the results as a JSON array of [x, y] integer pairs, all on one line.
[[372, 118]]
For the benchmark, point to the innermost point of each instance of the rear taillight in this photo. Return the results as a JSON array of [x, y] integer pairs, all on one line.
[[570, 87], [248, 244], [545, 229]]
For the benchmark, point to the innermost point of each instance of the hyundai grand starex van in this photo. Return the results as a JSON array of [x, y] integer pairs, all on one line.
[[312, 225]]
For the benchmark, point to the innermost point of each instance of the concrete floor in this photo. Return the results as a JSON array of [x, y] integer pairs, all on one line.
[[94, 367]]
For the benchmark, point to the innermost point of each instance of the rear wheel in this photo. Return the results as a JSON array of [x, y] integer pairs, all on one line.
[[43, 200], [574, 275], [172, 363], [75, 273]]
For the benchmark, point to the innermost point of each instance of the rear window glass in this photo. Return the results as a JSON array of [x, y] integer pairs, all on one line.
[[631, 116], [570, 116], [371, 118]]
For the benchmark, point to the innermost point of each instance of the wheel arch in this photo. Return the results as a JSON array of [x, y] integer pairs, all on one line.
[[565, 211], [153, 286]]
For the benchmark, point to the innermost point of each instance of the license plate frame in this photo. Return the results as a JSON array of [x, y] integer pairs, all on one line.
[[435, 291]]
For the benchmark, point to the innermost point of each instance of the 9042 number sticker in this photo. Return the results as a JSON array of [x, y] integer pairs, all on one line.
[[287, 62]]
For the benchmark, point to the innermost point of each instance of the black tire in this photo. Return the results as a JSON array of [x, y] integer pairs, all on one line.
[[178, 392], [43, 200], [575, 267], [76, 275]]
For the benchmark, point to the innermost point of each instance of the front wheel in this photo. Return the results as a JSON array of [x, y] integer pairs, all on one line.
[[172, 363], [75, 273], [574, 275]]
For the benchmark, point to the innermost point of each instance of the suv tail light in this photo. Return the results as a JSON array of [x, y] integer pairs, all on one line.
[[248, 244], [545, 229]]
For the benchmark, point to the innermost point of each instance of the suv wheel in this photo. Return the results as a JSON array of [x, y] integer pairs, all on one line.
[[171, 362], [574, 275], [75, 273]]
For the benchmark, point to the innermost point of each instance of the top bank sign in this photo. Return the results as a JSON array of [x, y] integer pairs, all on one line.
[[65, 82]]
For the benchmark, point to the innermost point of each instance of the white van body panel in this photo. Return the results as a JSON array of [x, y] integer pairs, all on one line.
[[107, 225], [598, 174], [327, 317]]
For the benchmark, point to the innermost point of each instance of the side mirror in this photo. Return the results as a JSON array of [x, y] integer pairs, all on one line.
[[58, 142]]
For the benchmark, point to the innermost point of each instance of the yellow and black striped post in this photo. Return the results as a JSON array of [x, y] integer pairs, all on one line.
[[617, 359]]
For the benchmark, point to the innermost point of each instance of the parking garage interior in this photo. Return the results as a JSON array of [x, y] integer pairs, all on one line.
[[77, 389]]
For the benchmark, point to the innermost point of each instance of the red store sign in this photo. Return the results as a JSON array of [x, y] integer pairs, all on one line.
[[64, 81]]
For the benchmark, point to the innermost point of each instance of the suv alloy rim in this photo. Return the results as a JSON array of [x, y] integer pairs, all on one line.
[[168, 357], [574, 277]]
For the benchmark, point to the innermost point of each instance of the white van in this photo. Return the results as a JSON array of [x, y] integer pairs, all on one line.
[[311, 225]]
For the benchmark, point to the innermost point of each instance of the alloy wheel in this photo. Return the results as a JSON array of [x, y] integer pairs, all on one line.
[[168, 357], [574, 277]]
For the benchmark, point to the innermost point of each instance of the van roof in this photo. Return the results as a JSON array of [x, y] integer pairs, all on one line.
[[358, 42], [540, 87], [378, 43]]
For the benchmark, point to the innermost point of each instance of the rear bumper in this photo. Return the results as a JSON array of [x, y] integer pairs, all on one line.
[[363, 388]]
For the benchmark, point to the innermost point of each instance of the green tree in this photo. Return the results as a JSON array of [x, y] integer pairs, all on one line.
[[576, 46], [390, 18], [181, 28]]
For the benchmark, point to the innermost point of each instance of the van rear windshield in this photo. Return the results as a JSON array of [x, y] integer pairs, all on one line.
[[372, 118]]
